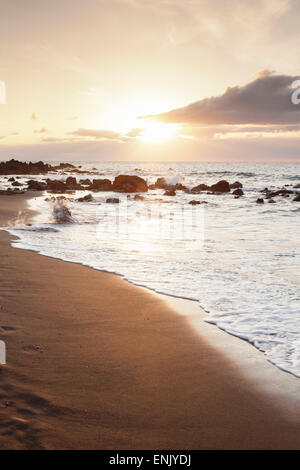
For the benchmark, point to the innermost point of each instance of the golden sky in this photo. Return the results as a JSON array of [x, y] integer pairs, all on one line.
[[214, 77]]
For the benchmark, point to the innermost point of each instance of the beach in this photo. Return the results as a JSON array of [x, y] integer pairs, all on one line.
[[94, 362]]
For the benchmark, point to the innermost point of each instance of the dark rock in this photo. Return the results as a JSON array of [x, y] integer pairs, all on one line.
[[113, 200], [138, 197], [129, 184], [22, 168], [36, 185], [297, 198], [238, 192], [181, 187], [200, 188], [271, 201], [236, 185], [85, 182], [101, 185], [11, 179], [152, 186], [160, 183], [64, 166], [170, 192], [194, 203], [221, 187], [56, 185], [260, 201], [71, 182], [16, 183], [87, 198]]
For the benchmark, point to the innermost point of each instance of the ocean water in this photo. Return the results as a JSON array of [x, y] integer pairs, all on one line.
[[239, 259]]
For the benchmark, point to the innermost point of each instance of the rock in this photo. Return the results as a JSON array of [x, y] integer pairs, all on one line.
[[194, 203], [200, 188], [160, 183], [85, 182], [152, 186], [271, 201], [138, 197], [260, 201], [170, 192], [238, 192], [236, 185], [297, 198], [221, 187], [181, 187], [22, 168], [36, 185], [129, 184], [113, 200], [56, 185], [101, 185], [64, 166], [71, 182], [16, 183], [87, 198], [11, 179]]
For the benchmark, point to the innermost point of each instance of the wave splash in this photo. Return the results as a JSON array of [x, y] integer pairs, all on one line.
[[61, 213]]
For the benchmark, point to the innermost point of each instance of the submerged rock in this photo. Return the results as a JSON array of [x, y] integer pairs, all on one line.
[[260, 201], [236, 185], [170, 192], [113, 200], [238, 192], [87, 198]]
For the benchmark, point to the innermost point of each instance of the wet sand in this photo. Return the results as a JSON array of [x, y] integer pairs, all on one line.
[[96, 363]]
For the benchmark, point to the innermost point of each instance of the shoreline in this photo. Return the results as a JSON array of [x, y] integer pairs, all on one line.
[[280, 383], [106, 375]]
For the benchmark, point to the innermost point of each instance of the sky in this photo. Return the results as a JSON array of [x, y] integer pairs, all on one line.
[[150, 80]]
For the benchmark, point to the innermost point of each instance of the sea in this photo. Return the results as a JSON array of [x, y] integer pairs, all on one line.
[[240, 260]]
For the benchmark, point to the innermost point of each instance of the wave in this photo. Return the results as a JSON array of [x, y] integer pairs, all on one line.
[[61, 213]]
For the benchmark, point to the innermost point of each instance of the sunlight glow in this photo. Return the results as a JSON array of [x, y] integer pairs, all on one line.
[[157, 132]]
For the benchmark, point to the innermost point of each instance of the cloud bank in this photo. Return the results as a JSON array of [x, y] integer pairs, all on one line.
[[264, 101]]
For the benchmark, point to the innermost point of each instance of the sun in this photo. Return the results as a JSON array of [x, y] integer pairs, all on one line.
[[157, 132]]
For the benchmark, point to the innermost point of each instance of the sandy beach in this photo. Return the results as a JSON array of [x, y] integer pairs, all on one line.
[[96, 363]]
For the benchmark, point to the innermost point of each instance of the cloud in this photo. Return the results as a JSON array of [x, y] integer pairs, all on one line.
[[136, 132], [97, 134], [41, 131], [264, 101]]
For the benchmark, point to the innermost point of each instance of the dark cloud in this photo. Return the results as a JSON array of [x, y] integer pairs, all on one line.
[[264, 101]]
